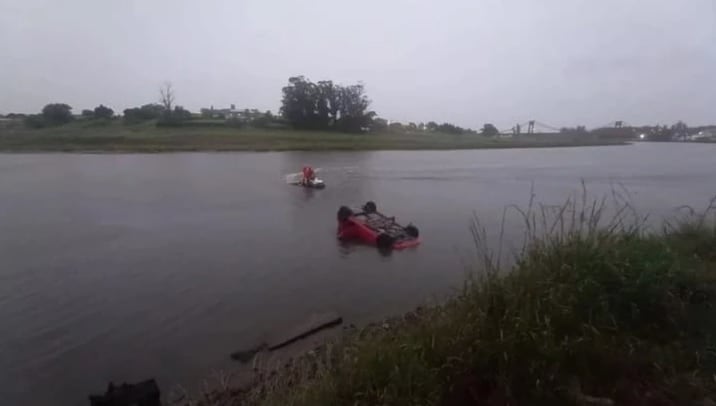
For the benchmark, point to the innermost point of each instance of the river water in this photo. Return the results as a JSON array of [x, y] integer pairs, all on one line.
[[123, 267]]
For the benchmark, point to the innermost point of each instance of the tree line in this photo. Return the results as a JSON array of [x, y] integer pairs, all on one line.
[[55, 114], [676, 132], [308, 105], [165, 112]]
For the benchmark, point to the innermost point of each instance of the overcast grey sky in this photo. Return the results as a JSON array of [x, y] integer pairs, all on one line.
[[562, 62]]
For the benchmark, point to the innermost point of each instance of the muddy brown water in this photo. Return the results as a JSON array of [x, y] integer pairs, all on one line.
[[123, 267]]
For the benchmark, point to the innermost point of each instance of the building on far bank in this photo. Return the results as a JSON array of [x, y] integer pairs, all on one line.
[[226, 113], [707, 134], [232, 113]]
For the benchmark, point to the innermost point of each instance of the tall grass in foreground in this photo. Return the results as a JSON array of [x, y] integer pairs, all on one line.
[[596, 310]]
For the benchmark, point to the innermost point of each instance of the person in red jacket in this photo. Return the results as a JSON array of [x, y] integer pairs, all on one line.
[[308, 175]]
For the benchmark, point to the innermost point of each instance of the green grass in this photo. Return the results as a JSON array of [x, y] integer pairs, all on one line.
[[596, 310], [115, 136]]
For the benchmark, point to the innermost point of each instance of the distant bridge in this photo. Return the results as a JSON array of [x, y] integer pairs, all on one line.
[[534, 126]]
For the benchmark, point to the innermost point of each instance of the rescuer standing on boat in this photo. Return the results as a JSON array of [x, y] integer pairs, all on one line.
[[308, 175]]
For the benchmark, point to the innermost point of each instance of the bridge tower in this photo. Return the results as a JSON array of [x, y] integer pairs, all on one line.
[[531, 127]]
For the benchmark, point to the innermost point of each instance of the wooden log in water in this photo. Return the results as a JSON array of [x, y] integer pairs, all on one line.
[[313, 325]]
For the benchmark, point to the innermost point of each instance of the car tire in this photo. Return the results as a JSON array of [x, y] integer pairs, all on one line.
[[344, 213], [412, 231]]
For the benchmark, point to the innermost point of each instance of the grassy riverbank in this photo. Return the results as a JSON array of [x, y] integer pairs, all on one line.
[[593, 313], [117, 137]]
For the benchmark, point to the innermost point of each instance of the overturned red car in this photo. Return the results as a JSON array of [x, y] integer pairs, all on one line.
[[372, 227]]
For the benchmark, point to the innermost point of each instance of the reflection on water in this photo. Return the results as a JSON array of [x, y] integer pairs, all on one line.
[[121, 267]]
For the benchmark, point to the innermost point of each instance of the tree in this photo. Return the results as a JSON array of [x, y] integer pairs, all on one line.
[[489, 130], [88, 114], [450, 128], [325, 105], [396, 126], [614, 132], [57, 113], [143, 113], [151, 111], [174, 118], [328, 103], [295, 105], [680, 130], [180, 113], [333, 100], [379, 124], [431, 126], [132, 115], [660, 133], [353, 113], [262, 120], [579, 130], [103, 111], [166, 96]]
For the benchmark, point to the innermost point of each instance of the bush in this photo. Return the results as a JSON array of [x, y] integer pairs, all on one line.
[[143, 113], [97, 122], [489, 130], [593, 312], [57, 114], [614, 133], [263, 120], [446, 128], [35, 121], [175, 118], [204, 123], [450, 128], [235, 123], [103, 111], [379, 124]]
